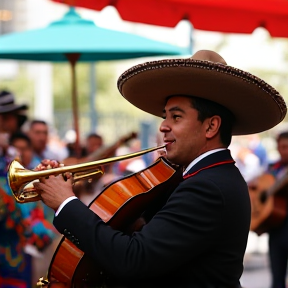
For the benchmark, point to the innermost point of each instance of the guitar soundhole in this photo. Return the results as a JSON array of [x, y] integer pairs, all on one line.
[[263, 197]]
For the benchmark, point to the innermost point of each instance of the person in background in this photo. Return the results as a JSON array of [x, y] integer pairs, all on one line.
[[248, 163], [23, 145], [246, 159], [94, 149], [90, 189], [278, 236], [132, 165], [38, 132], [93, 142], [15, 264], [41, 215], [21, 226], [12, 118], [257, 147], [197, 237], [13, 115]]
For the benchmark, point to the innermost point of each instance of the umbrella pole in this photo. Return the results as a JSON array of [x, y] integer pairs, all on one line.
[[73, 58]]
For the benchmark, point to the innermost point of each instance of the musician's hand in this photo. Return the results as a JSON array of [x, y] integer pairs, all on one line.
[[48, 164], [53, 190]]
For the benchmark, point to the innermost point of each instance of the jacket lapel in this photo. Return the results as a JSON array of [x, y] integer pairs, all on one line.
[[218, 158]]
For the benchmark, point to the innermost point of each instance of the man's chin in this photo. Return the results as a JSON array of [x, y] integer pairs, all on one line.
[[171, 158]]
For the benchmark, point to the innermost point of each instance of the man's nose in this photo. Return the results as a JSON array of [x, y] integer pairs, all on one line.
[[164, 127]]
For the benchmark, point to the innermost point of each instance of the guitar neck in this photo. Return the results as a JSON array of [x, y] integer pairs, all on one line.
[[105, 152], [279, 184]]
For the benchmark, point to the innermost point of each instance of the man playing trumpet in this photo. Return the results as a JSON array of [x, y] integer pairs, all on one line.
[[198, 237]]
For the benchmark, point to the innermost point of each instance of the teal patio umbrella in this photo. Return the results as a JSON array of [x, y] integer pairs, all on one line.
[[75, 39]]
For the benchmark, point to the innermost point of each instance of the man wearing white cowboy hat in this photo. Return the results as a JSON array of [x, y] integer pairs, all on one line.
[[197, 238]]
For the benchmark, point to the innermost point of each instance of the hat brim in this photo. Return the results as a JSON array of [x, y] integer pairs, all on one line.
[[256, 105], [12, 108]]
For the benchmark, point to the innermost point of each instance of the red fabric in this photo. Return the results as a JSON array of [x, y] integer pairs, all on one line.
[[207, 167], [8, 282], [237, 16]]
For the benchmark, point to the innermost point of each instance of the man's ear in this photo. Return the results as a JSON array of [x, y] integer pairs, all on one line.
[[213, 125]]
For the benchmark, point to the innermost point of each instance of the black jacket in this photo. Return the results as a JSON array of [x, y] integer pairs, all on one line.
[[197, 239]]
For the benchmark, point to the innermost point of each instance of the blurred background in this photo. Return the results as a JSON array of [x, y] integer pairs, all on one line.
[[46, 87]]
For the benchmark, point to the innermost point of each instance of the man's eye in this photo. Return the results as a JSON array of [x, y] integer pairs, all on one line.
[[176, 117]]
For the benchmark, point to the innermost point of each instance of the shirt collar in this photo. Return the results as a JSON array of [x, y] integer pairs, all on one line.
[[196, 160]]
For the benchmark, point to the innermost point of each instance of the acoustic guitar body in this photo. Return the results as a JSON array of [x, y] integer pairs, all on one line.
[[73, 269], [268, 203], [121, 205]]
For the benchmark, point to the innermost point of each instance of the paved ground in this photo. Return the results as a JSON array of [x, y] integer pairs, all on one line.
[[256, 271]]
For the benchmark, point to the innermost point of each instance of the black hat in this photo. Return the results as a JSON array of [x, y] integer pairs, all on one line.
[[7, 103]]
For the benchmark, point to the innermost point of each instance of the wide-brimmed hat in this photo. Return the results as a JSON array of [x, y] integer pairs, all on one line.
[[7, 103], [256, 105]]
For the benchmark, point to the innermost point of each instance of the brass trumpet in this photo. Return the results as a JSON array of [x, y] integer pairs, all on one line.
[[21, 180]]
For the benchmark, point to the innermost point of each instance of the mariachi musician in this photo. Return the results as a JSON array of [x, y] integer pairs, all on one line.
[[197, 237], [269, 195], [278, 237]]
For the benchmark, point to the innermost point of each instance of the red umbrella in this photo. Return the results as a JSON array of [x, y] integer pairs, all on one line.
[[231, 16]]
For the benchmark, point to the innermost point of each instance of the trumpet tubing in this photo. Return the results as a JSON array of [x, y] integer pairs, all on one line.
[[21, 180]]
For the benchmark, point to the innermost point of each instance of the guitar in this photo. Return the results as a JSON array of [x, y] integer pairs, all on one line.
[[268, 198], [102, 152], [121, 205]]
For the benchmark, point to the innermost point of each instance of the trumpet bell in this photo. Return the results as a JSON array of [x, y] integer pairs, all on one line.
[[21, 180], [22, 191]]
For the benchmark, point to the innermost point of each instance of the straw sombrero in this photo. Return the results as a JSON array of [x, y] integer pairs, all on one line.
[[256, 105]]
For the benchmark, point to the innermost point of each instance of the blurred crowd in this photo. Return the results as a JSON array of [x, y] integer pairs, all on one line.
[[251, 156], [28, 239]]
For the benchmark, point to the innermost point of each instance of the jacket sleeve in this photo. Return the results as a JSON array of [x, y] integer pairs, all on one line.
[[173, 237]]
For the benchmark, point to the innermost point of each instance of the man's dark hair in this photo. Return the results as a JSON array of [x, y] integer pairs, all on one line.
[[283, 135], [19, 135], [207, 108], [36, 121], [94, 135]]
